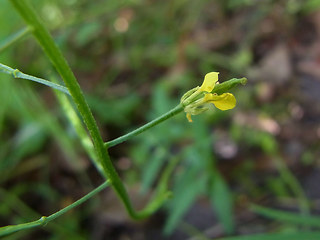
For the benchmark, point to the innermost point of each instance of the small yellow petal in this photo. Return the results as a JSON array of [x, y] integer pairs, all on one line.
[[189, 117], [223, 102], [209, 81]]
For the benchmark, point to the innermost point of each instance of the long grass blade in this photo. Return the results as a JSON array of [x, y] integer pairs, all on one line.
[[9, 41], [278, 236], [288, 217]]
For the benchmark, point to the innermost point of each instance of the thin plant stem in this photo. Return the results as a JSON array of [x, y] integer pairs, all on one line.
[[45, 40], [219, 88], [17, 205], [9, 41], [18, 74], [145, 127], [45, 220]]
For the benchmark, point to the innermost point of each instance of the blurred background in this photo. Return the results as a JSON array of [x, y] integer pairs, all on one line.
[[134, 59]]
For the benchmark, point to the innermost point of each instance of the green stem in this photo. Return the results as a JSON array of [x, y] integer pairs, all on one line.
[[45, 220], [76, 122], [76, 203], [56, 57], [14, 38], [18, 74], [219, 89], [145, 127], [12, 201]]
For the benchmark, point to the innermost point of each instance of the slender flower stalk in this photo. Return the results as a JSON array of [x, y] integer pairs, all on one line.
[[218, 89], [18, 74], [44, 220], [145, 127]]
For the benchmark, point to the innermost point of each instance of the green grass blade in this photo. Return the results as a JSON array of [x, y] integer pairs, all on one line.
[[185, 196], [278, 236], [12, 39], [288, 217], [222, 202]]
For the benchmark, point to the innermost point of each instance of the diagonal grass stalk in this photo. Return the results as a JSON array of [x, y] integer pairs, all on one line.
[[52, 51], [45, 220]]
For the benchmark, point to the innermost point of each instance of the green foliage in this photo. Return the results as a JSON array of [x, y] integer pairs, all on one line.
[[119, 112], [150, 56], [197, 174], [222, 202], [186, 190], [278, 236], [311, 221]]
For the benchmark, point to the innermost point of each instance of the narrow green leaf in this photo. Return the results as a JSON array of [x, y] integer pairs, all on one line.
[[9, 41], [119, 110], [185, 196], [221, 199], [284, 216], [29, 139], [278, 236], [152, 169]]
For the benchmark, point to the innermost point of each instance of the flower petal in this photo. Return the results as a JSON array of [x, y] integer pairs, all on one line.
[[209, 81], [189, 117], [223, 102]]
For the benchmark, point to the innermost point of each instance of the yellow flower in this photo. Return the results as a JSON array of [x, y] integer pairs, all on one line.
[[223, 102], [196, 100], [209, 82]]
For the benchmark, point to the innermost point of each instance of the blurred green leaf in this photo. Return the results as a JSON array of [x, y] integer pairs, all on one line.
[[87, 33], [28, 140], [233, 4], [241, 60], [255, 138], [277, 186], [285, 216], [311, 6], [222, 202], [278, 236], [115, 111], [152, 168], [161, 101], [185, 194], [12, 39]]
